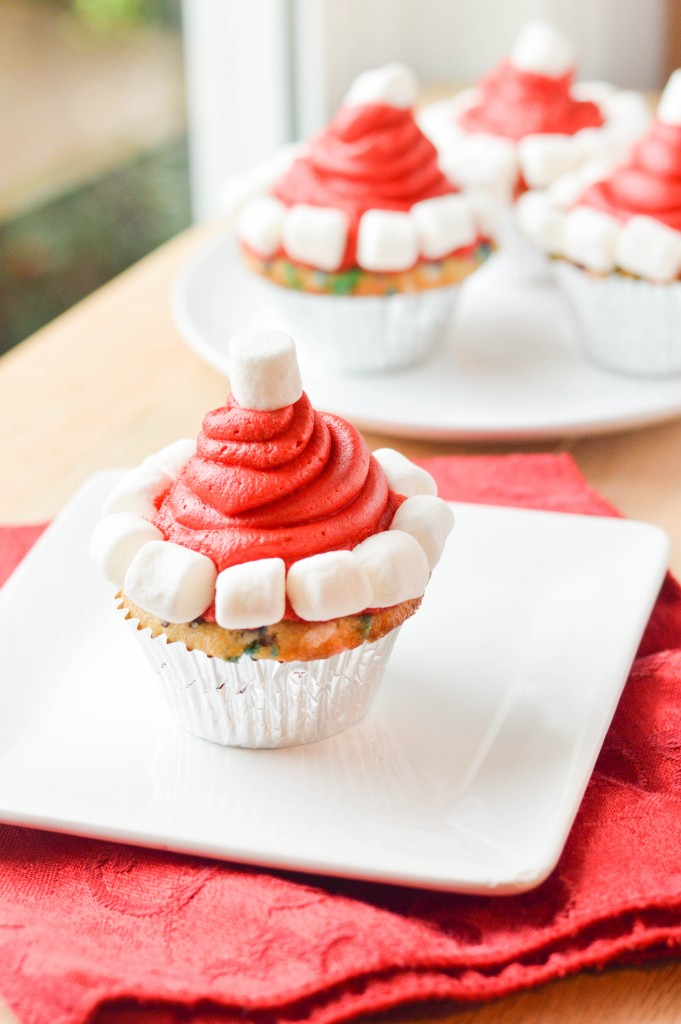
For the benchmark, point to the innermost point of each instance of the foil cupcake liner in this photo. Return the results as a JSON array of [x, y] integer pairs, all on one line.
[[266, 703], [627, 325], [369, 332]]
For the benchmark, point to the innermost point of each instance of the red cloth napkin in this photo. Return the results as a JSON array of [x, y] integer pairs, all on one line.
[[86, 924]]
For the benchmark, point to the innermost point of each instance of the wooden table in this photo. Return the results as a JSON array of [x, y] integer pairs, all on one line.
[[112, 380]]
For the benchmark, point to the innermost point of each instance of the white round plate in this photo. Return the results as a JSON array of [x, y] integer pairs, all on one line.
[[511, 368]]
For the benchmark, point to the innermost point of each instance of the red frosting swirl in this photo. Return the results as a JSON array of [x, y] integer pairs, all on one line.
[[370, 157], [515, 103], [287, 484], [649, 184]]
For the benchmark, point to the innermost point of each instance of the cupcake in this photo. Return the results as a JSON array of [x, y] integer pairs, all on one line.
[[527, 123], [363, 237], [618, 249], [267, 568]]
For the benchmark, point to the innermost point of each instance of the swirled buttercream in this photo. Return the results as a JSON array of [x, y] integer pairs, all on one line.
[[649, 184], [370, 157], [289, 483], [515, 103]]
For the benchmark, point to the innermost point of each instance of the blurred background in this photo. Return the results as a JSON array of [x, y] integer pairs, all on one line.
[[121, 119]]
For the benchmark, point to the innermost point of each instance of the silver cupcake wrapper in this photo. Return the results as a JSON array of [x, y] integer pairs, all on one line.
[[266, 703], [627, 325], [369, 332]]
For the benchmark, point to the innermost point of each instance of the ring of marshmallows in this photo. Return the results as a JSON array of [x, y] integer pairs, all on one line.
[[178, 584], [387, 240], [642, 246], [485, 160]]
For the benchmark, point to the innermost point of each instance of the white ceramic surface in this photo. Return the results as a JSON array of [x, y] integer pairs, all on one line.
[[511, 367], [465, 775]]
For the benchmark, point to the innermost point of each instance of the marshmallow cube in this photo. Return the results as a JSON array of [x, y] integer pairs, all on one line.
[[444, 224], [404, 476], [328, 586], [396, 566], [628, 113], [595, 91], [669, 107], [263, 370], [138, 490], [260, 225], [490, 208], [251, 594], [543, 158], [315, 235], [567, 190], [170, 581], [438, 122], [590, 238], [387, 241], [481, 160], [541, 220], [173, 458], [429, 520], [394, 85], [649, 249], [541, 49], [116, 540]]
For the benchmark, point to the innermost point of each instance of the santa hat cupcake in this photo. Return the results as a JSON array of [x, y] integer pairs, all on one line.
[[363, 235], [267, 568]]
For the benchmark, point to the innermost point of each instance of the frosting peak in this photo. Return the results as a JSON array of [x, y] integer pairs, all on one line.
[[514, 103], [372, 156]]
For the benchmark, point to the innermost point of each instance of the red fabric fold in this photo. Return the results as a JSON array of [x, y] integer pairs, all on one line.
[[87, 924]]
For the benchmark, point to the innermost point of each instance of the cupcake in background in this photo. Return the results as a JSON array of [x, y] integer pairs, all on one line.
[[527, 123], [363, 236], [267, 568], [618, 249]]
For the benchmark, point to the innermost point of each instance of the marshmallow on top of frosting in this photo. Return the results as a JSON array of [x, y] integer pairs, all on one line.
[[270, 477], [543, 50], [393, 85], [669, 107]]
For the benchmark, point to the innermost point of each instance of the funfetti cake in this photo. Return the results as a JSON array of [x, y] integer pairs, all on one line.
[[267, 568], [618, 249], [527, 123], [365, 213]]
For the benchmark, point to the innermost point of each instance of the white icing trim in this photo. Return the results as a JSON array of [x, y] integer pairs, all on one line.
[[440, 122], [171, 581], [642, 246], [382, 254]]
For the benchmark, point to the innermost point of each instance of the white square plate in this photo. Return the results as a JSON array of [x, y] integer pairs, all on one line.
[[466, 774]]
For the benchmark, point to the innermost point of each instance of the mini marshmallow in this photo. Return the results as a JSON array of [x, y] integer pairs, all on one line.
[[259, 225], [396, 566], [387, 241], [170, 581], [541, 220], [627, 113], [429, 520], [570, 187], [480, 160], [251, 594], [541, 49], [438, 122], [115, 541], [669, 107], [137, 492], [315, 235], [173, 458], [328, 586], [649, 249], [543, 158], [444, 224], [590, 238], [394, 85], [403, 475], [490, 209], [595, 91], [263, 370]]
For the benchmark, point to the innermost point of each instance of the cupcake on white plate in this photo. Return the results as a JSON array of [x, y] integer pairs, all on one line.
[[617, 245], [363, 239], [527, 123], [267, 568]]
